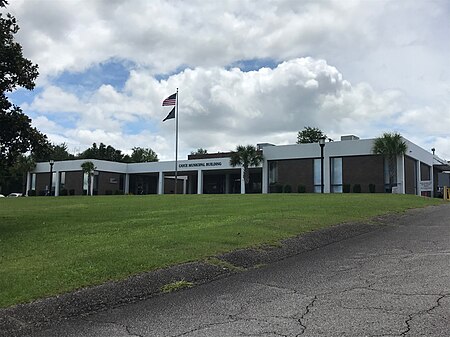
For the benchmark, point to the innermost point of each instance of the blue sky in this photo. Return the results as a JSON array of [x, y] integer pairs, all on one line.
[[248, 72]]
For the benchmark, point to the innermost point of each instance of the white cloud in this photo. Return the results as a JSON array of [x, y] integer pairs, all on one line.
[[222, 108], [393, 56]]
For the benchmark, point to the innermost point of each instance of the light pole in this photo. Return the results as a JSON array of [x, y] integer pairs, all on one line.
[[322, 145], [51, 177]]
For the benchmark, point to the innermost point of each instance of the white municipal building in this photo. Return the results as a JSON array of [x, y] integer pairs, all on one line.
[[349, 166]]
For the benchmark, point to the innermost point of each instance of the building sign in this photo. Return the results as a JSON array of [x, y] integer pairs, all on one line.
[[426, 185], [207, 164]]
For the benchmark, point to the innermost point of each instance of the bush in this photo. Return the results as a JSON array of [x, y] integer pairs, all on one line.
[[287, 189], [64, 192], [372, 188], [84, 192], [42, 193], [31, 193], [346, 188], [301, 189], [118, 192], [357, 188], [276, 188], [72, 191], [108, 192]]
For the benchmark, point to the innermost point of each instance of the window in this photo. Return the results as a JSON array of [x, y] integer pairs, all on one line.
[[273, 172], [63, 179], [317, 176], [336, 175], [33, 181]]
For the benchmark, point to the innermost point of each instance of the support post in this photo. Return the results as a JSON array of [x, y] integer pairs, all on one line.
[[242, 181], [199, 182]]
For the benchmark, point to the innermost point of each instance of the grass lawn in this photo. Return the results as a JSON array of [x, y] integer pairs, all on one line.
[[53, 245]]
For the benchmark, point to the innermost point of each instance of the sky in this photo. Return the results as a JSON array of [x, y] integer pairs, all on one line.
[[248, 72]]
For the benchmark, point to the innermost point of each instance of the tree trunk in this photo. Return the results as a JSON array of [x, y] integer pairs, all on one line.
[[392, 171], [246, 175]]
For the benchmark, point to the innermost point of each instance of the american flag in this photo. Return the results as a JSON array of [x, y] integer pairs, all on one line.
[[171, 100]]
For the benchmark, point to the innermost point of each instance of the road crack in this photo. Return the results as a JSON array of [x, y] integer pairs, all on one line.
[[422, 312], [306, 312], [127, 328]]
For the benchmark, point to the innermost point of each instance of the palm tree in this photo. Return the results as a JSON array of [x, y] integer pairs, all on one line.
[[88, 168], [390, 145], [246, 156]]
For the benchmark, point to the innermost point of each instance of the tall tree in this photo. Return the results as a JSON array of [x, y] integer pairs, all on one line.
[[310, 135], [246, 156], [141, 155], [22, 166], [88, 167], [390, 145], [59, 152], [103, 152], [17, 136]]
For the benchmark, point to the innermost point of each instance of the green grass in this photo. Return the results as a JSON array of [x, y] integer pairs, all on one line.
[[53, 245], [178, 285]]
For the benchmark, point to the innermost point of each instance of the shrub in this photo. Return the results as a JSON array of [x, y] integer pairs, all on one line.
[[108, 192], [42, 193], [372, 188], [301, 189], [118, 192], [31, 193], [357, 188], [287, 189], [84, 192], [63, 192], [276, 188], [72, 191], [346, 188]]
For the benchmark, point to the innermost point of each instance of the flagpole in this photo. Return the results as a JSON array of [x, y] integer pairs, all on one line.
[[176, 146]]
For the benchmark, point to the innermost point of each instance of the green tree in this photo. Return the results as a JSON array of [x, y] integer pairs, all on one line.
[[21, 167], [102, 152], [390, 145], [60, 152], [141, 155], [246, 156], [199, 151], [88, 167], [310, 135], [17, 136]]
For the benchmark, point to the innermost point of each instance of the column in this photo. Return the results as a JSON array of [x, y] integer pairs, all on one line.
[[418, 178], [126, 188], [326, 174], [57, 182], [265, 177], [28, 183], [401, 174], [160, 182], [91, 193], [242, 181], [199, 182], [184, 185]]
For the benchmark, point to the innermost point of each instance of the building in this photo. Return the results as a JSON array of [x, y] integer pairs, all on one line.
[[347, 163]]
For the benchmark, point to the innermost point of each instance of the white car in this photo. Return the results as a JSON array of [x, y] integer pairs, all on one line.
[[2, 196], [14, 195]]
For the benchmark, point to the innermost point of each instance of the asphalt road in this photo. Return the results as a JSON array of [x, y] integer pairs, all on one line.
[[394, 281]]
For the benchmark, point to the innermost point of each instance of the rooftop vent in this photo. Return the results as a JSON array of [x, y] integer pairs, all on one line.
[[349, 137], [260, 146]]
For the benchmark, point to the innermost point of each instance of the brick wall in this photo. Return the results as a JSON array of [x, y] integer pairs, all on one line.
[[364, 170]]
